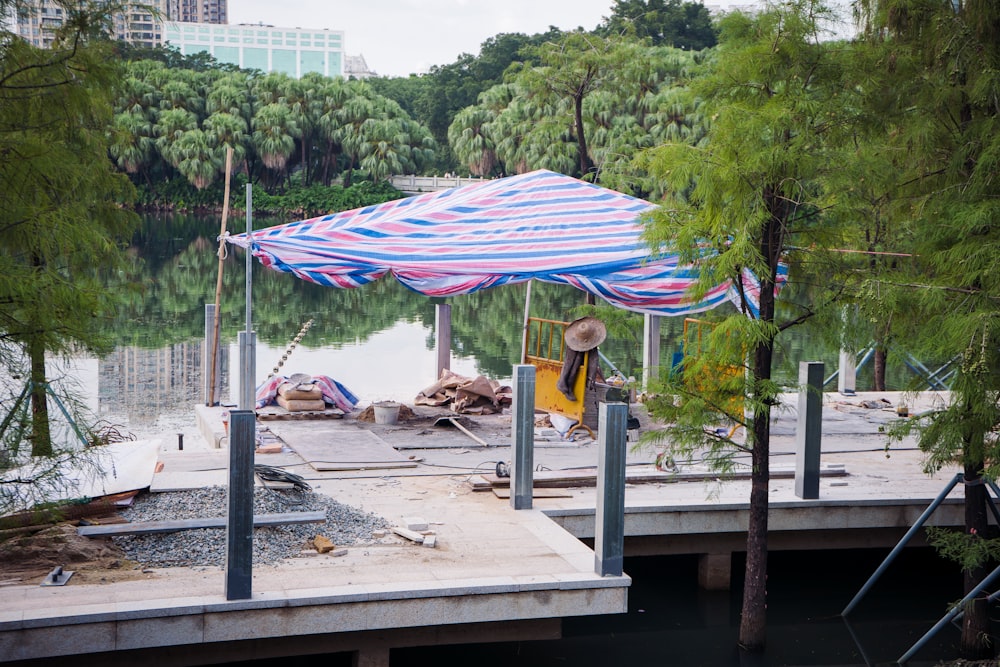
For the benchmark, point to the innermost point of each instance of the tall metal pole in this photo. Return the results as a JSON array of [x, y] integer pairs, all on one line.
[[248, 342], [249, 258], [239, 525], [523, 432], [609, 532]]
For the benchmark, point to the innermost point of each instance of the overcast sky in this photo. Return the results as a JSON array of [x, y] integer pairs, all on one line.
[[400, 37]]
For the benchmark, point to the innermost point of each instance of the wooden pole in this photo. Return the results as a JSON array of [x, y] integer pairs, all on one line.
[[527, 317], [218, 282]]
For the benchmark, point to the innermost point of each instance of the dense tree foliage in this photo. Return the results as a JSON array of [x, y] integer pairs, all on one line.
[[677, 23], [585, 109], [61, 225], [940, 86], [753, 194], [179, 122]]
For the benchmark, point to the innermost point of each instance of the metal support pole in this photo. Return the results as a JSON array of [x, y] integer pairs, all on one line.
[[809, 431], [442, 326], [650, 348], [249, 261], [609, 533], [248, 339], [902, 543], [248, 370], [211, 393], [954, 611], [523, 426], [239, 525]]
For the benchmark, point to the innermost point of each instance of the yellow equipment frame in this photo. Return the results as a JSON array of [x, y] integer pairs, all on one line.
[[545, 349], [694, 333]]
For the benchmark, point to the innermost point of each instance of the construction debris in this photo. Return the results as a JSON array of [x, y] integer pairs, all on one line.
[[323, 544], [411, 535], [415, 523]]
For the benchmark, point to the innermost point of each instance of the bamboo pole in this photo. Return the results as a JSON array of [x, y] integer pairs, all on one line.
[[218, 282]]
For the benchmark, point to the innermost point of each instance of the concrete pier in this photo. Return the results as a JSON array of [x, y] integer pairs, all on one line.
[[495, 574]]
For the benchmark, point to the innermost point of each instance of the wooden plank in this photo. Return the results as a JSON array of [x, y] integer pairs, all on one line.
[[174, 525], [504, 493], [588, 476]]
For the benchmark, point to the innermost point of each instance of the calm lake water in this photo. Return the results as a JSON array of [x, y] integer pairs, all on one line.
[[378, 341]]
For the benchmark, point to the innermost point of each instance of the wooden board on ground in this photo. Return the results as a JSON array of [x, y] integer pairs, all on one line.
[[174, 525], [332, 447], [278, 413], [504, 492], [638, 475]]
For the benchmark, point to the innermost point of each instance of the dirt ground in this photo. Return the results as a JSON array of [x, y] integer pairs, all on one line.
[[30, 558]]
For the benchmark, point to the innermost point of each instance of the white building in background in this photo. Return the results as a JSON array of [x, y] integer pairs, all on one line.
[[357, 67], [293, 51]]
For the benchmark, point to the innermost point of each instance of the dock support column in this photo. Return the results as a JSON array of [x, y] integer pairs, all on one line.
[[239, 525], [442, 325], [523, 426], [808, 432], [715, 571], [848, 375], [371, 656], [609, 533], [211, 389], [650, 349], [248, 370]]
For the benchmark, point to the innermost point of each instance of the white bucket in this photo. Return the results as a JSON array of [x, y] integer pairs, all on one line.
[[386, 412]]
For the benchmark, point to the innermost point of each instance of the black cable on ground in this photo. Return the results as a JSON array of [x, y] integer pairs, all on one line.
[[271, 474]]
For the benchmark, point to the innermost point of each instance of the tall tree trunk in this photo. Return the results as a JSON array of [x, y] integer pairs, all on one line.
[[753, 619], [881, 355], [975, 643], [41, 436], [586, 165]]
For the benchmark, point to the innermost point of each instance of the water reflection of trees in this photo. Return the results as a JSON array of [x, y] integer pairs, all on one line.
[[176, 268]]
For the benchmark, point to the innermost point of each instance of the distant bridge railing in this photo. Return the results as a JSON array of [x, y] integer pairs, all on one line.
[[413, 185]]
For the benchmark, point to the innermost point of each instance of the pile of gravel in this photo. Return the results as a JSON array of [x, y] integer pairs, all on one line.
[[344, 526]]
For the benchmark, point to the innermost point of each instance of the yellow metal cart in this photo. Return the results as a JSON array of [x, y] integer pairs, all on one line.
[[545, 349]]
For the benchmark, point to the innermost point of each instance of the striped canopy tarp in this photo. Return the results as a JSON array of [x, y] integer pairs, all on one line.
[[540, 225]]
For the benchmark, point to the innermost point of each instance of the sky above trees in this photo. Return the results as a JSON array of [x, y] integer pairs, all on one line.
[[400, 37]]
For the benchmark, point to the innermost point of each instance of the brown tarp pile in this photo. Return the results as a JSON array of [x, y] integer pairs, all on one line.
[[466, 395]]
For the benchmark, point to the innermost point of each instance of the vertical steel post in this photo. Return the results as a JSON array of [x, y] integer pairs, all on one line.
[[239, 525], [442, 326], [248, 370], [609, 533], [523, 433], [650, 348], [809, 431], [248, 339], [249, 261]]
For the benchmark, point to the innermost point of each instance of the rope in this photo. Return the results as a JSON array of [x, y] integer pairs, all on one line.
[[295, 341]]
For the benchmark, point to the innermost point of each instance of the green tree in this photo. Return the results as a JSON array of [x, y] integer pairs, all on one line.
[[60, 218], [740, 201], [941, 61], [684, 25]]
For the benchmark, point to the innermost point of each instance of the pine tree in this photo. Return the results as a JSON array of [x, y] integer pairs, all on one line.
[[61, 223], [741, 202]]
